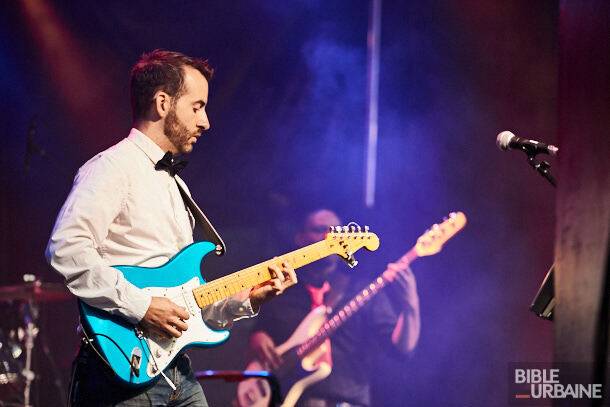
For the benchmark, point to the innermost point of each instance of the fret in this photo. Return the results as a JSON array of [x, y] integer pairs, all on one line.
[[409, 257], [337, 320], [252, 276]]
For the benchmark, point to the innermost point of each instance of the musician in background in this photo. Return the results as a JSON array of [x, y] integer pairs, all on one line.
[[126, 208], [393, 321]]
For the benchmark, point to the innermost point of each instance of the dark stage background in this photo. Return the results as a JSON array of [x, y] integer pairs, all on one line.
[[287, 108]]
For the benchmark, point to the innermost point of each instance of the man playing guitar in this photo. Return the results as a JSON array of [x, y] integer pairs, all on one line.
[[129, 207]]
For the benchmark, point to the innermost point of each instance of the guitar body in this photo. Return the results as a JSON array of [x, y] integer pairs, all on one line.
[[299, 374], [136, 358], [316, 366]]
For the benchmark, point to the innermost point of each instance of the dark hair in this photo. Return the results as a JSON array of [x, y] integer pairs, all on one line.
[[161, 70]]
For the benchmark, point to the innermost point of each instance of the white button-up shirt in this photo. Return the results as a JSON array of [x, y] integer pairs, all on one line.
[[123, 211]]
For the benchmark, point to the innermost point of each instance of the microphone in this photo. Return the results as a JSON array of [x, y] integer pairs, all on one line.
[[508, 141]]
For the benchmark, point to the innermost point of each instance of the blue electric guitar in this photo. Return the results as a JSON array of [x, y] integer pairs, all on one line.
[[137, 357]]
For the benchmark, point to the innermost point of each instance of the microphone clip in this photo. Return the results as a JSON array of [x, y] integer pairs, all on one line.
[[542, 167]]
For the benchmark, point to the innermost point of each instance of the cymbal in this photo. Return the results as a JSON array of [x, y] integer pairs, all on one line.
[[35, 291]]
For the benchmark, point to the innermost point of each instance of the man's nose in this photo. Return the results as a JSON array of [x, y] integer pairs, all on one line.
[[204, 123]]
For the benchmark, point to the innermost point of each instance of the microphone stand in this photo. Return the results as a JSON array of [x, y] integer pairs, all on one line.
[[543, 303], [543, 167]]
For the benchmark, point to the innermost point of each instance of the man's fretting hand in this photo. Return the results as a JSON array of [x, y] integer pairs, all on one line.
[[282, 278], [401, 273]]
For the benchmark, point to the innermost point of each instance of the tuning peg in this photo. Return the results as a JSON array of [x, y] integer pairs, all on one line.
[[352, 228], [366, 229], [359, 229], [345, 229], [331, 229]]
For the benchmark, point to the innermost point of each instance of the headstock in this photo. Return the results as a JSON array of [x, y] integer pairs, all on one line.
[[432, 241], [347, 240]]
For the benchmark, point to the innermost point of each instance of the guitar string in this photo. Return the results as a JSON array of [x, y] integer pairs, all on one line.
[[351, 307], [230, 281], [333, 323], [311, 253]]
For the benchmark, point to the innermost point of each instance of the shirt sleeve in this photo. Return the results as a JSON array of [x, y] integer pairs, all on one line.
[[222, 314], [74, 249]]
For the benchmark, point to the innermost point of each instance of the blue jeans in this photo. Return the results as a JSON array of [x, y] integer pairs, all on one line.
[[93, 385]]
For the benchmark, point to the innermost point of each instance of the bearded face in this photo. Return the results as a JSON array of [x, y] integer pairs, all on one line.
[[178, 133]]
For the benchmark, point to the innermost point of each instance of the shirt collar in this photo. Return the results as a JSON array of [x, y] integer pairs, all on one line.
[[149, 147]]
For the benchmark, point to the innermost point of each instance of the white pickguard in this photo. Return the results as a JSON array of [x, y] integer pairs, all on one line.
[[164, 349]]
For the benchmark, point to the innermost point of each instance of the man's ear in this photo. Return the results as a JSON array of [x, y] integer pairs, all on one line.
[[163, 102]]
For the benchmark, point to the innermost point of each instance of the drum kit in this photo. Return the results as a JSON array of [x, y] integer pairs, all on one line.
[[19, 311]]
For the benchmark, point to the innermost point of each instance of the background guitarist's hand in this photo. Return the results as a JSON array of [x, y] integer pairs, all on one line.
[[407, 329], [264, 350], [401, 274], [165, 317], [283, 278]]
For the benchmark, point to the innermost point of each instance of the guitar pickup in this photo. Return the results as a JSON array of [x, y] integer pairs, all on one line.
[[136, 361]]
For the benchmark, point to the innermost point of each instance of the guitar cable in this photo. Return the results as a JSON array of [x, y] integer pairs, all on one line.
[[102, 358], [150, 356], [89, 341]]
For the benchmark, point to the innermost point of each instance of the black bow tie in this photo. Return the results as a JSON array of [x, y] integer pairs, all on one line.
[[170, 164]]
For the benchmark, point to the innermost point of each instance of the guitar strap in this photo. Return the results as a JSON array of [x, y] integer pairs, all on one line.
[[200, 219]]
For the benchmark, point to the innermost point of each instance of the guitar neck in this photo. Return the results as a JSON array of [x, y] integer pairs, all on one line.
[[409, 257], [349, 309], [252, 276]]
